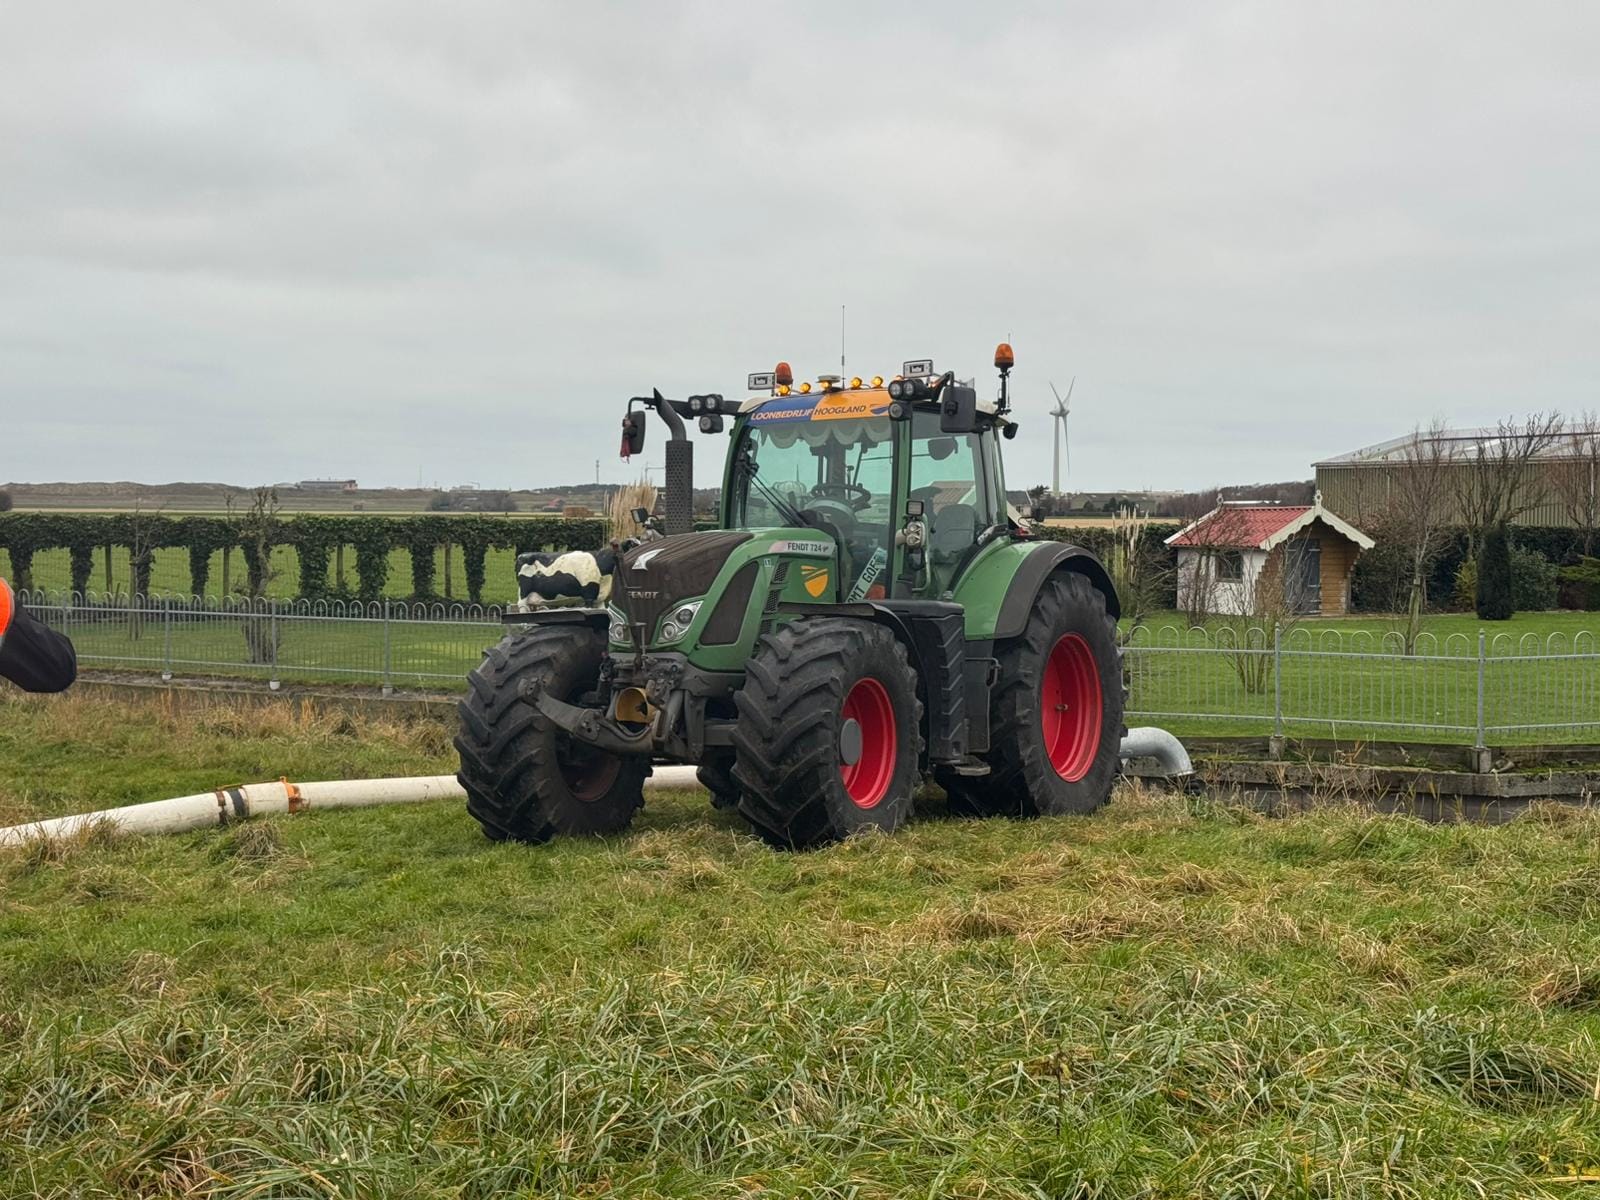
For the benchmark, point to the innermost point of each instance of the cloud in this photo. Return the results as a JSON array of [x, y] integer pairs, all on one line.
[[255, 242]]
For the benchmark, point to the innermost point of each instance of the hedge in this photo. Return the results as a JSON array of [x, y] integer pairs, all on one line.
[[1381, 580], [313, 539]]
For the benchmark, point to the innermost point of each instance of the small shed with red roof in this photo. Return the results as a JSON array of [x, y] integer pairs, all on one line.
[[1223, 556]]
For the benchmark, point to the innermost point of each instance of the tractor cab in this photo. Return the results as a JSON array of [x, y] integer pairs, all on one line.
[[908, 492]]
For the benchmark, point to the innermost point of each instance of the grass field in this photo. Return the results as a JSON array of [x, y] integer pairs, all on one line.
[[1170, 998], [169, 573], [1346, 677], [1429, 697]]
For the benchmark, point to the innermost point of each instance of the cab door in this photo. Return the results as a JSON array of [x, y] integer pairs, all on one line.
[[954, 476]]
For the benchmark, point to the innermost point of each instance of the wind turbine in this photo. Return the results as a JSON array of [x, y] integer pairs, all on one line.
[[1059, 412]]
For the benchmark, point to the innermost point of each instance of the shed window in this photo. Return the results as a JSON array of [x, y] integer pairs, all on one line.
[[1230, 566]]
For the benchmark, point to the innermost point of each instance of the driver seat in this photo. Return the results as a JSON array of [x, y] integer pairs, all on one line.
[[955, 528]]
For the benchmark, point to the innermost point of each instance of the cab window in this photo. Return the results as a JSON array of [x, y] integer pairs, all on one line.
[[833, 475], [948, 476]]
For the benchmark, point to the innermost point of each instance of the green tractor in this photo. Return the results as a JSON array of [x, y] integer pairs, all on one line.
[[870, 613]]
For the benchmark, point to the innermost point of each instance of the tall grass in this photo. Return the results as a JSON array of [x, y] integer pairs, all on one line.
[[1172, 998]]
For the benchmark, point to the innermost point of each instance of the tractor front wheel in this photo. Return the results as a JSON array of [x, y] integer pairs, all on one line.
[[526, 780], [1055, 715], [829, 733]]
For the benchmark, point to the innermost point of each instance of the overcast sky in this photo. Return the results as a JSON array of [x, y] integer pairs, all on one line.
[[253, 242]]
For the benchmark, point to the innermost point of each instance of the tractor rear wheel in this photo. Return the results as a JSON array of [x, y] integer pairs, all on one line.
[[526, 780], [1055, 715], [828, 739]]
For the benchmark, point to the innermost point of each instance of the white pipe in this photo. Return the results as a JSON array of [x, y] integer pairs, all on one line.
[[1150, 742], [227, 805]]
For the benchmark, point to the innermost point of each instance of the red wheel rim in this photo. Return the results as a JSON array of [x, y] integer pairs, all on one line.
[[867, 779], [1070, 707], [587, 772]]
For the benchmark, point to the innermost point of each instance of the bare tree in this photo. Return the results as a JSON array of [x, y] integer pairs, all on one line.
[[1264, 607], [141, 557], [1576, 478], [258, 529], [1420, 500], [1497, 482], [1211, 571]]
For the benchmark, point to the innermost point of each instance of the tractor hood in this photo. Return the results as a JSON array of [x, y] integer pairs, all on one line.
[[656, 575]]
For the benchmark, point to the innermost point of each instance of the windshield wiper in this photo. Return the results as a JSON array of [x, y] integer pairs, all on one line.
[[789, 512]]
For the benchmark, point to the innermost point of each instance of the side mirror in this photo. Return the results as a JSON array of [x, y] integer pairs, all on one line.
[[958, 409], [941, 448], [633, 434], [640, 516]]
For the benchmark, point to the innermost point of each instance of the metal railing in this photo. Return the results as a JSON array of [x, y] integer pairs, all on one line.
[[1356, 683], [389, 642], [1302, 681]]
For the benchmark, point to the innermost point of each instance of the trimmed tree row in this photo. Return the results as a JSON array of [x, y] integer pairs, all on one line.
[[314, 539]]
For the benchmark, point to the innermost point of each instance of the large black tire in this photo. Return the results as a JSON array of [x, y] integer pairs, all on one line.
[[1050, 752], [526, 780], [794, 787]]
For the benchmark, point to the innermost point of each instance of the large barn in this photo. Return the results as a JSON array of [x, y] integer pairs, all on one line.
[[1223, 556], [1560, 474]]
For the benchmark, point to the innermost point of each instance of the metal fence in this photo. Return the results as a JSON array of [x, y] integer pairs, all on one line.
[[1479, 690], [389, 643]]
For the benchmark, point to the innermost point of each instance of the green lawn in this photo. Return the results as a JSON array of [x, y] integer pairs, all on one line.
[[410, 653], [1346, 678], [1363, 691], [1169, 998], [169, 573]]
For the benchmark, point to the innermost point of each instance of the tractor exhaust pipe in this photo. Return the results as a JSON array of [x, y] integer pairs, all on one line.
[[678, 493]]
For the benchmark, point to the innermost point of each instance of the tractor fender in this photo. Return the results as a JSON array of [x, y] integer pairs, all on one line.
[[1039, 566]]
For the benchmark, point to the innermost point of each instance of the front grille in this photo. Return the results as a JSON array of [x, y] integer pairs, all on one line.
[[727, 619], [769, 611], [674, 569]]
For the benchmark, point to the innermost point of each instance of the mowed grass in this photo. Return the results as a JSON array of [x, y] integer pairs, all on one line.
[[1170, 998], [169, 573], [1350, 687], [1347, 677], [406, 652]]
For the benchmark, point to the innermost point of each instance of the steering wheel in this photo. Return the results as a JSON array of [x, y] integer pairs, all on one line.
[[840, 514], [853, 494]]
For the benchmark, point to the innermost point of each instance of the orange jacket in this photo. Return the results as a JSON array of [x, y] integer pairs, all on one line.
[[32, 655]]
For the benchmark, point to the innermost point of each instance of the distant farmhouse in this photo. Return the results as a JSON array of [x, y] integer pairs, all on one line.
[[1357, 485], [327, 485]]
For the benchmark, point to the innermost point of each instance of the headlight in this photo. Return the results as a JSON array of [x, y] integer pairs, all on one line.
[[676, 625], [619, 627]]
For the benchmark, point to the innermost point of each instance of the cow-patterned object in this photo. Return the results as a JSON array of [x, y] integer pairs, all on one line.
[[582, 575]]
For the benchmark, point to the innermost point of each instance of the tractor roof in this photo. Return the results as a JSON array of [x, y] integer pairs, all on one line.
[[834, 404]]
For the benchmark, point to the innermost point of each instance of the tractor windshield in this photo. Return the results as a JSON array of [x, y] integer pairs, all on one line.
[[835, 475]]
